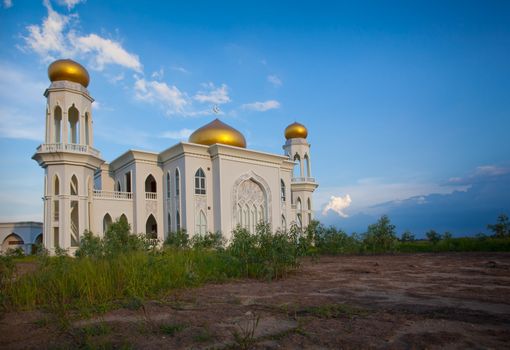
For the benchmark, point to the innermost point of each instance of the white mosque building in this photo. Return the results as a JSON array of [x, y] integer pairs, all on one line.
[[211, 183]]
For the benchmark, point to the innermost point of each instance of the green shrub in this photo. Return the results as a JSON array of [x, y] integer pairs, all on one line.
[[179, 239], [380, 237]]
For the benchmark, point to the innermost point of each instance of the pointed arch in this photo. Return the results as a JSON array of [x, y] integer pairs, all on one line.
[[87, 128], [123, 217], [251, 189], [168, 185], [151, 227], [74, 186], [307, 166], [56, 185], [199, 181], [150, 184], [177, 181], [57, 124], [282, 191], [74, 124], [107, 222], [297, 163], [201, 223], [12, 241]]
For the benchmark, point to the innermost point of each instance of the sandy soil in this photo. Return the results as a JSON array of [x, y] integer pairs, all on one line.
[[417, 301]]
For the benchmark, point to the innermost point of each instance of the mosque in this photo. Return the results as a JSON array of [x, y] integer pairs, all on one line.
[[211, 183]]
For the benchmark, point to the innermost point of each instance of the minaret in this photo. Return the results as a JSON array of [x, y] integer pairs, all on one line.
[[67, 156], [303, 184]]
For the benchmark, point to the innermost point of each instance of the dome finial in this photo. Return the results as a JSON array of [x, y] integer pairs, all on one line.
[[67, 69]]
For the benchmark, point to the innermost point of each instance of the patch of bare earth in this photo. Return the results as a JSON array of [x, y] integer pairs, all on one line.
[[454, 300]]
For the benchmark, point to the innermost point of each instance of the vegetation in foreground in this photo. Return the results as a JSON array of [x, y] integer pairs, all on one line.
[[123, 269]]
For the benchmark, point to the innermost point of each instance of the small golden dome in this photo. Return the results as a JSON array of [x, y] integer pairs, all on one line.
[[68, 70], [296, 131], [218, 132]]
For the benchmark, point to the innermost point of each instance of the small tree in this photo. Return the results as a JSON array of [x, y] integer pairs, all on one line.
[[381, 236], [502, 227], [407, 236], [447, 236], [433, 236]]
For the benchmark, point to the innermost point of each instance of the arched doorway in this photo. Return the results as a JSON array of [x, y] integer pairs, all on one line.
[[151, 227]]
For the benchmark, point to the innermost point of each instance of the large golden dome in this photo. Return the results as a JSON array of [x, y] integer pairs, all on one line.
[[218, 132], [68, 70], [296, 131]]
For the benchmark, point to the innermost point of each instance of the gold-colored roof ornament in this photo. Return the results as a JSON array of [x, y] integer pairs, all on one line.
[[218, 132], [70, 70], [296, 131]]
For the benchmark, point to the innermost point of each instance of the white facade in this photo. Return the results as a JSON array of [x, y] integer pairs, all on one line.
[[199, 188]]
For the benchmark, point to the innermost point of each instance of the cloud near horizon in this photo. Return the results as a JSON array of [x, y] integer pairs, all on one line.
[[338, 204], [261, 106]]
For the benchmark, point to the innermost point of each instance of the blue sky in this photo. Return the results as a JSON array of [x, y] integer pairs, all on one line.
[[407, 102]]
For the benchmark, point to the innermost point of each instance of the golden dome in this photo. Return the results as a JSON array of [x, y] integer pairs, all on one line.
[[218, 132], [68, 70], [296, 131]]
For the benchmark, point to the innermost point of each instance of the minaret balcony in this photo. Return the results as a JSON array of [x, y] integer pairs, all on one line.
[[303, 179], [67, 147]]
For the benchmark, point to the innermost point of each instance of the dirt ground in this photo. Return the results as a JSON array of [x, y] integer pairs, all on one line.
[[415, 301]]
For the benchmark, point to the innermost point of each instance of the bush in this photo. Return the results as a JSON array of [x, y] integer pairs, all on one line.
[[177, 239]]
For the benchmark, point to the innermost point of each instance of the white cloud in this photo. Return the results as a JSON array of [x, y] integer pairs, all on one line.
[[158, 74], [338, 204], [48, 38], [171, 98], [261, 106], [491, 170], [216, 95], [52, 39], [69, 3], [180, 69], [182, 134], [105, 51], [7, 4], [273, 79]]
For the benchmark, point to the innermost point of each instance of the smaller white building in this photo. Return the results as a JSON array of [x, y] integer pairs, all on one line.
[[24, 235]]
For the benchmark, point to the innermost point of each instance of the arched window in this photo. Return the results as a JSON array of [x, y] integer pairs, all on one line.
[[299, 206], [201, 224], [123, 217], [200, 182], [56, 186], [297, 160], [169, 223], [150, 184], [284, 223], [87, 130], [151, 227], [74, 186], [307, 165], [74, 118], [177, 181], [168, 186], [282, 190], [178, 220], [107, 222], [118, 187], [57, 120]]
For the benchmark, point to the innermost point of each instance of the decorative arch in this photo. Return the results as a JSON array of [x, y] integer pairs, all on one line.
[[123, 217], [297, 159], [74, 124], [177, 181], [74, 186], [107, 222], [151, 227], [87, 128], [307, 166], [201, 223], [150, 184], [57, 125], [12, 241], [199, 181], [56, 185], [265, 204]]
